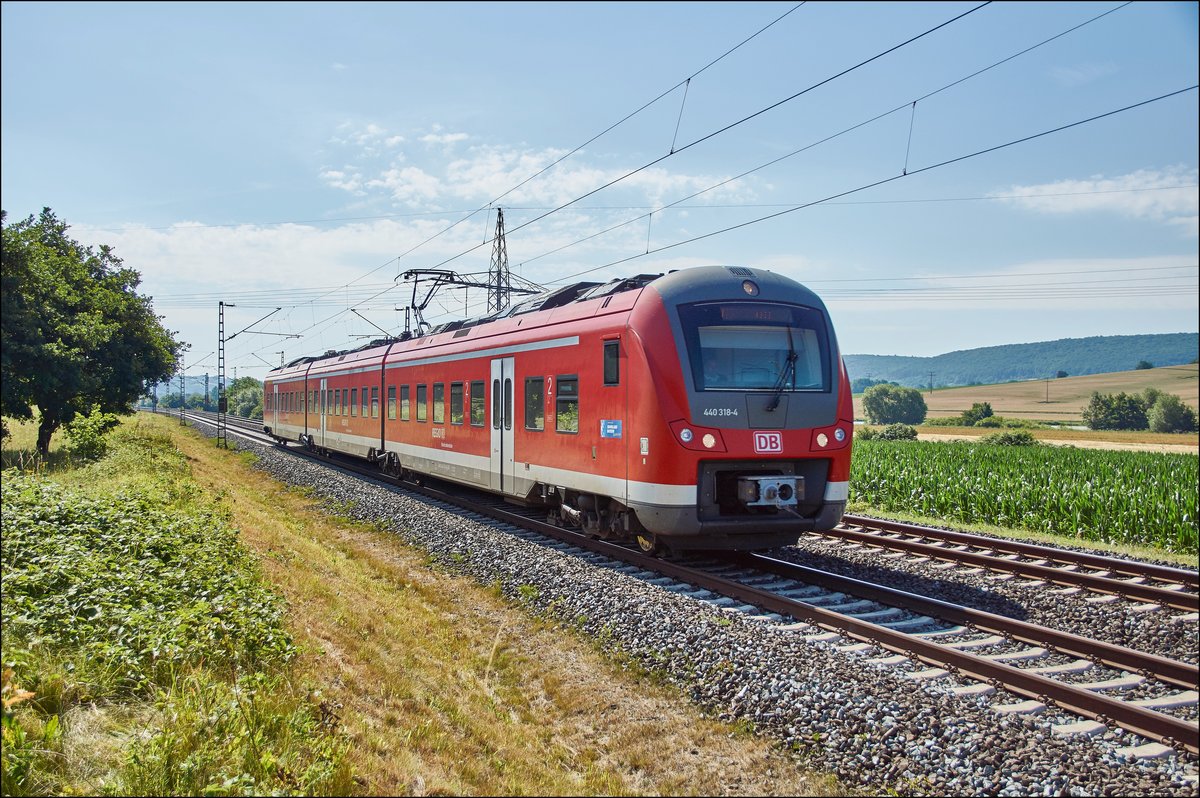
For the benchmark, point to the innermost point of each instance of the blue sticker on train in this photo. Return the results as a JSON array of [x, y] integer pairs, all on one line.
[[610, 428]]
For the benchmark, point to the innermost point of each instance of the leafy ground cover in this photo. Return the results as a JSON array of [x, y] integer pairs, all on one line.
[[127, 597]]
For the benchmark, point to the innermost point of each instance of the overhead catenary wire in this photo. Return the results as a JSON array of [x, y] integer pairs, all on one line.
[[695, 142], [726, 128], [891, 179], [840, 133], [576, 149]]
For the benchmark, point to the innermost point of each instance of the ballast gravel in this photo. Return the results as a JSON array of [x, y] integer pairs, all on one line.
[[870, 724]]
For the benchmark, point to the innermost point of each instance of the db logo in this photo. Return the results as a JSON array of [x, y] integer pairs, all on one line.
[[768, 442]]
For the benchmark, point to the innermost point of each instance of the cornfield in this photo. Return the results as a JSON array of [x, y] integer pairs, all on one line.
[[1110, 496]]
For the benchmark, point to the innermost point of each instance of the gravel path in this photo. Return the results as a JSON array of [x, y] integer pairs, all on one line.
[[868, 723]]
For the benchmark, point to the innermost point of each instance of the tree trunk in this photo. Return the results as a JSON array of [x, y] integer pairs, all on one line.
[[46, 428]]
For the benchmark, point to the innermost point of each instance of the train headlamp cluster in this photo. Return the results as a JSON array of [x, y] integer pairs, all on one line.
[[686, 436], [830, 437]]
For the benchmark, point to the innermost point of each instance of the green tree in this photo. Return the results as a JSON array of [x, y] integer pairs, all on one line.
[[1120, 411], [74, 334], [1170, 414], [245, 397], [894, 404]]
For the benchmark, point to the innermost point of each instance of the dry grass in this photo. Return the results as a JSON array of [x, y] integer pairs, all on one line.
[[1180, 443], [444, 689]]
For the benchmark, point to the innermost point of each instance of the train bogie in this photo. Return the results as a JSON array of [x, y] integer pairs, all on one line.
[[705, 409]]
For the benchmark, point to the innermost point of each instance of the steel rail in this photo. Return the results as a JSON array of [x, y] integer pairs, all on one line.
[[1175, 599], [1169, 730], [1164, 573]]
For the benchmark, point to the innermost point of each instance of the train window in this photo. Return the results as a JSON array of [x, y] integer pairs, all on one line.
[[612, 363], [535, 411], [456, 403], [508, 403], [374, 402], [567, 403], [392, 402], [354, 401], [404, 403], [740, 346], [439, 403], [364, 404], [337, 401], [421, 405], [496, 415], [477, 405], [566, 408]]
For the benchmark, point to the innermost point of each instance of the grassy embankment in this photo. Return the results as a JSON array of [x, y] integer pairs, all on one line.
[[215, 632]]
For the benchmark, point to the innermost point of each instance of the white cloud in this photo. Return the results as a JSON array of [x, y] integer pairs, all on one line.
[[444, 138], [1144, 194], [409, 185], [345, 180]]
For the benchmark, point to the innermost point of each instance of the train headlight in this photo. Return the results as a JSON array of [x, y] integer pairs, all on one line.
[[839, 434], [709, 441], [750, 287], [685, 435], [822, 439]]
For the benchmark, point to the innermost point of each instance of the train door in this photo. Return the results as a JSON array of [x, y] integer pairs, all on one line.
[[501, 478], [275, 409]]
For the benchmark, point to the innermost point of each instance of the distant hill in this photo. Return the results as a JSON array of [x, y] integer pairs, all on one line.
[[1075, 356]]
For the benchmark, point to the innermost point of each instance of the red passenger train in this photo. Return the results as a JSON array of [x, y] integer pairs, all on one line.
[[705, 409]]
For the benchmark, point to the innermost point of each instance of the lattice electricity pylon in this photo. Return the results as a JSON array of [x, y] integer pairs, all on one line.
[[499, 280]]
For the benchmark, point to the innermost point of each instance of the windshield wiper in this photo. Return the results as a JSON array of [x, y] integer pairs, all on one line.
[[789, 368]]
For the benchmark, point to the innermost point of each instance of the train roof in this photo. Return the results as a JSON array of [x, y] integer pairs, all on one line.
[[678, 282]]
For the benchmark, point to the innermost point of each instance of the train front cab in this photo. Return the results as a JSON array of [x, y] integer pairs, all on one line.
[[756, 412]]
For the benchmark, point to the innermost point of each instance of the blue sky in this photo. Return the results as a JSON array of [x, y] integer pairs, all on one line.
[[304, 155]]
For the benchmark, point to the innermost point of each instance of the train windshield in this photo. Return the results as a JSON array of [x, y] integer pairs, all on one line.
[[755, 346]]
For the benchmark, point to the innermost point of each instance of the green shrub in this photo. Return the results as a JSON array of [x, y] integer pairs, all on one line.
[[978, 412], [88, 434], [990, 422], [945, 421], [1170, 414], [1019, 438], [898, 432]]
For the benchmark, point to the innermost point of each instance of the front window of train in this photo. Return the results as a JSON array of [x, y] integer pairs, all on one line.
[[756, 346]]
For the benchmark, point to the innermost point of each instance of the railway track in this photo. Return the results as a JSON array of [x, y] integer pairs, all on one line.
[[1175, 588], [985, 653]]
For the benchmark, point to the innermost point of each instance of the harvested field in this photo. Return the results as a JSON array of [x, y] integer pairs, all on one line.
[[1062, 399]]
